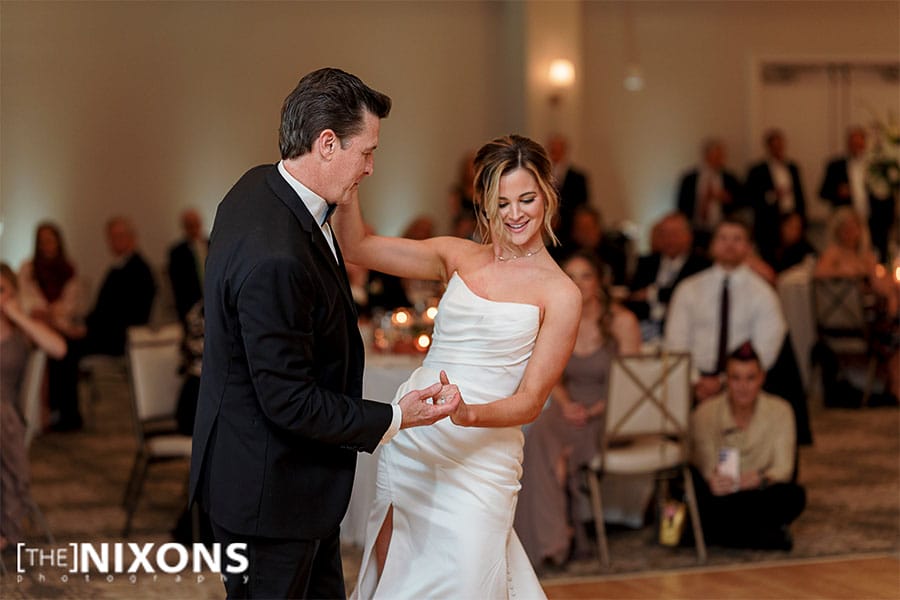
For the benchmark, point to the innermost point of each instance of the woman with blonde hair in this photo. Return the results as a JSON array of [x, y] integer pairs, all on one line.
[[441, 522]]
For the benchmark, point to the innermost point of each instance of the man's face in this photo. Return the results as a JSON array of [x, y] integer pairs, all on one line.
[[585, 230], [776, 147], [744, 380], [715, 156], [353, 159], [120, 239], [674, 237], [192, 224], [730, 245], [856, 143]]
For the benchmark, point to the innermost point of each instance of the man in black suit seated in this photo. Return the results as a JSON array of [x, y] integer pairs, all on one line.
[[571, 183], [773, 190], [126, 295], [846, 183], [186, 263], [708, 193], [587, 235], [657, 274]]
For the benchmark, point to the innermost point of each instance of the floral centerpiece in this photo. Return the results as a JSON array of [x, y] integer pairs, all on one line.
[[884, 165]]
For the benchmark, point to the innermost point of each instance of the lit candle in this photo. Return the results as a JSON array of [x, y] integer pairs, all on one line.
[[430, 313], [422, 342], [401, 317]]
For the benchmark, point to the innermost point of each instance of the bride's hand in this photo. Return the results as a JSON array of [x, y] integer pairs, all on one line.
[[462, 415]]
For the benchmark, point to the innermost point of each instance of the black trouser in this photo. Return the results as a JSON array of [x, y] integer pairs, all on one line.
[[281, 568], [748, 519]]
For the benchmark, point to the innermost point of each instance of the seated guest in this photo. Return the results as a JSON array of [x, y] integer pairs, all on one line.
[[565, 436], [708, 193], [18, 334], [572, 184], [587, 235], [125, 297], [712, 311], [658, 273], [50, 291], [773, 190], [743, 449], [793, 246], [186, 263], [849, 254]]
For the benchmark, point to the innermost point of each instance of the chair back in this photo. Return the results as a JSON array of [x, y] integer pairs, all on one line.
[[30, 393], [649, 394], [838, 306], [154, 356]]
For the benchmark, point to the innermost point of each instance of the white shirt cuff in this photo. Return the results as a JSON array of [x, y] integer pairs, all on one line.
[[395, 425]]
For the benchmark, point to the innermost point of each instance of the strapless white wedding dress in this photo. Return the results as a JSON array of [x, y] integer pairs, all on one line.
[[454, 488]]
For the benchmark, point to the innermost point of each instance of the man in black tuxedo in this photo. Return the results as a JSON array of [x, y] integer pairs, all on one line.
[[670, 261], [186, 263], [708, 193], [773, 189], [280, 416], [845, 183], [571, 183], [125, 297]]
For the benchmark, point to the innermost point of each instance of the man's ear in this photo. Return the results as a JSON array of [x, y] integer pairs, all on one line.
[[327, 143]]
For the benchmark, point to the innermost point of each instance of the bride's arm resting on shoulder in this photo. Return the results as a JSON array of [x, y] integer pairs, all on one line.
[[552, 349], [413, 259]]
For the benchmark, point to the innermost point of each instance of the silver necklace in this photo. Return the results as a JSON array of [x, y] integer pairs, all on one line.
[[502, 258]]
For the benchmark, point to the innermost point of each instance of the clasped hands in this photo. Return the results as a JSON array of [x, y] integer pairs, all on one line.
[[445, 401]]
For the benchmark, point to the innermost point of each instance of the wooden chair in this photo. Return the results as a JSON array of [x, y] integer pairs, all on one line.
[[153, 359], [647, 420], [841, 325]]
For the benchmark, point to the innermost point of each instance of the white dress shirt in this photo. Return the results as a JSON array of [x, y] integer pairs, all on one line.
[[781, 179], [856, 175], [318, 208], [754, 314]]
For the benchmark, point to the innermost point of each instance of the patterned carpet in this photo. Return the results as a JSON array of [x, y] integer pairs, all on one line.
[[852, 477]]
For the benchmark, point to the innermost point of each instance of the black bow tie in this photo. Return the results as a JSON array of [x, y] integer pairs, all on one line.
[[328, 212]]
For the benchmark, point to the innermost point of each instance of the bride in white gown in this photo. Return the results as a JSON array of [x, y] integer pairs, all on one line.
[[441, 522]]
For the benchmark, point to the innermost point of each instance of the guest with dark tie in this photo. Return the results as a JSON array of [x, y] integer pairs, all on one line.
[[658, 273], [708, 193], [846, 183], [773, 190], [186, 263], [714, 311]]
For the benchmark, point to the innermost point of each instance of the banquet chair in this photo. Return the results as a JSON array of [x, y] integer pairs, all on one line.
[[841, 324], [647, 420], [30, 403], [153, 359]]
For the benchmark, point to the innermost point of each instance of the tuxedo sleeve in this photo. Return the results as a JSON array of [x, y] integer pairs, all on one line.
[[280, 330]]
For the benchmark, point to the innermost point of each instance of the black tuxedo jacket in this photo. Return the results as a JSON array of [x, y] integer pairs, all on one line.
[[687, 193], [125, 299], [280, 416], [186, 286], [645, 274], [881, 211], [766, 212]]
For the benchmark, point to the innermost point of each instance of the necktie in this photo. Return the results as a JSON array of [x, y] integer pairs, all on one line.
[[326, 231], [328, 212], [723, 327]]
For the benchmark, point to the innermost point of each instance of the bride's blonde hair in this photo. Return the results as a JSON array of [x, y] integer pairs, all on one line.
[[494, 160]]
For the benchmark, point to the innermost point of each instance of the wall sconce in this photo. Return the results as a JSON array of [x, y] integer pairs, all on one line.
[[562, 76]]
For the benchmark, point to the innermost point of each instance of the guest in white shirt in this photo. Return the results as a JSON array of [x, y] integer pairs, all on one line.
[[729, 287]]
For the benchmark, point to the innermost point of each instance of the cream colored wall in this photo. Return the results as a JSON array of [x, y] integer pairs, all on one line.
[[697, 59], [143, 108], [146, 108]]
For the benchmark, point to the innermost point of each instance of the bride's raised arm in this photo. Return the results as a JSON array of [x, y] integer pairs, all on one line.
[[415, 259]]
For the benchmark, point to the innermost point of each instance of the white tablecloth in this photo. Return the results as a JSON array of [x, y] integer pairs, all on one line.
[[383, 375], [794, 290]]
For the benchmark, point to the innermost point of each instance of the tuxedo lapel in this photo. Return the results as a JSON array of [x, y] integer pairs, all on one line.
[[323, 252]]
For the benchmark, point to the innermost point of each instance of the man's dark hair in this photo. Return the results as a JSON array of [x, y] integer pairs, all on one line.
[[326, 99], [745, 353]]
